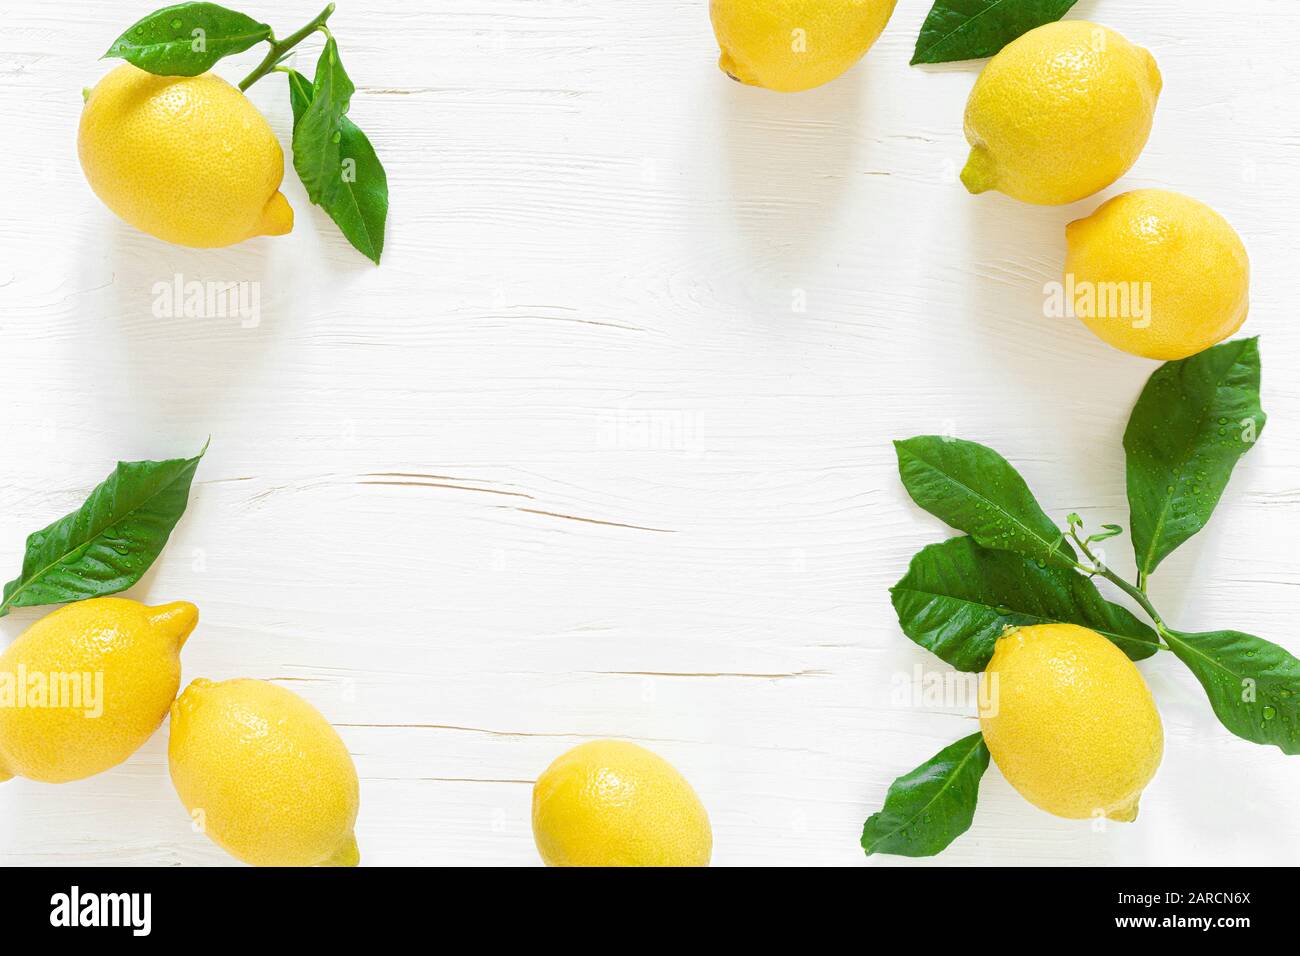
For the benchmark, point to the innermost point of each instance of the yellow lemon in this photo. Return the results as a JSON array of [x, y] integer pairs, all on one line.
[[791, 45], [185, 158], [1059, 113], [264, 774], [1070, 722], [84, 687], [610, 803], [1157, 274]]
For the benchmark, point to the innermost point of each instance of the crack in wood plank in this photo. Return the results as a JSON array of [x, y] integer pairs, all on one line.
[[611, 524]]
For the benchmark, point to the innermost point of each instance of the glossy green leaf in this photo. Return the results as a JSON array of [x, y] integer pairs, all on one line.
[[187, 39], [300, 92], [974, 489], [1253, 685], [1193, 420], [107, 544], [969, 29], [334, 158], [957, 598], [927, 809], [316, 134]]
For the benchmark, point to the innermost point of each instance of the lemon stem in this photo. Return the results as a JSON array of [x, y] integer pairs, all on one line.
[[280, 47], [1099, 567]]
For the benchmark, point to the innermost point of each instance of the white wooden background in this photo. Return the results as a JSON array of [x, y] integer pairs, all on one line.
[[571, 463]]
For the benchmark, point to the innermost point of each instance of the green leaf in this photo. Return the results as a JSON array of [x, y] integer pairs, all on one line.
[[957, 598], [969, 29], [108, 543], [316, 145], [187, 39], [1194, 419], [927, 809], [334, 158], [974, 489], [1253, 685], [300, 93]]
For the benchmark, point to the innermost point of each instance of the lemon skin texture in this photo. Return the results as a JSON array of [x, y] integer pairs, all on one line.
[[187, 159], [793, 45], [612, 803], [1070, 722], [264, 774], [135, 648], [1059, 113], [1194, 261]]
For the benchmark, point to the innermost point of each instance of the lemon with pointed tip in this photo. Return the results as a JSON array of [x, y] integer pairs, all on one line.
[[613, 803], [1070, 722], [188, 159], [1059, 113], [792, 45], [84, 687], [264, 774], [1180, 267]]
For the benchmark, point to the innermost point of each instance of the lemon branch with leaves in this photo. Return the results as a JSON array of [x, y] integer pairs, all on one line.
[[1013, 567], [333, 157]]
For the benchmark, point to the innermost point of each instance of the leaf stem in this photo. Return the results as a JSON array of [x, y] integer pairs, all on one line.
[[1099, 567], [280, 47]]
